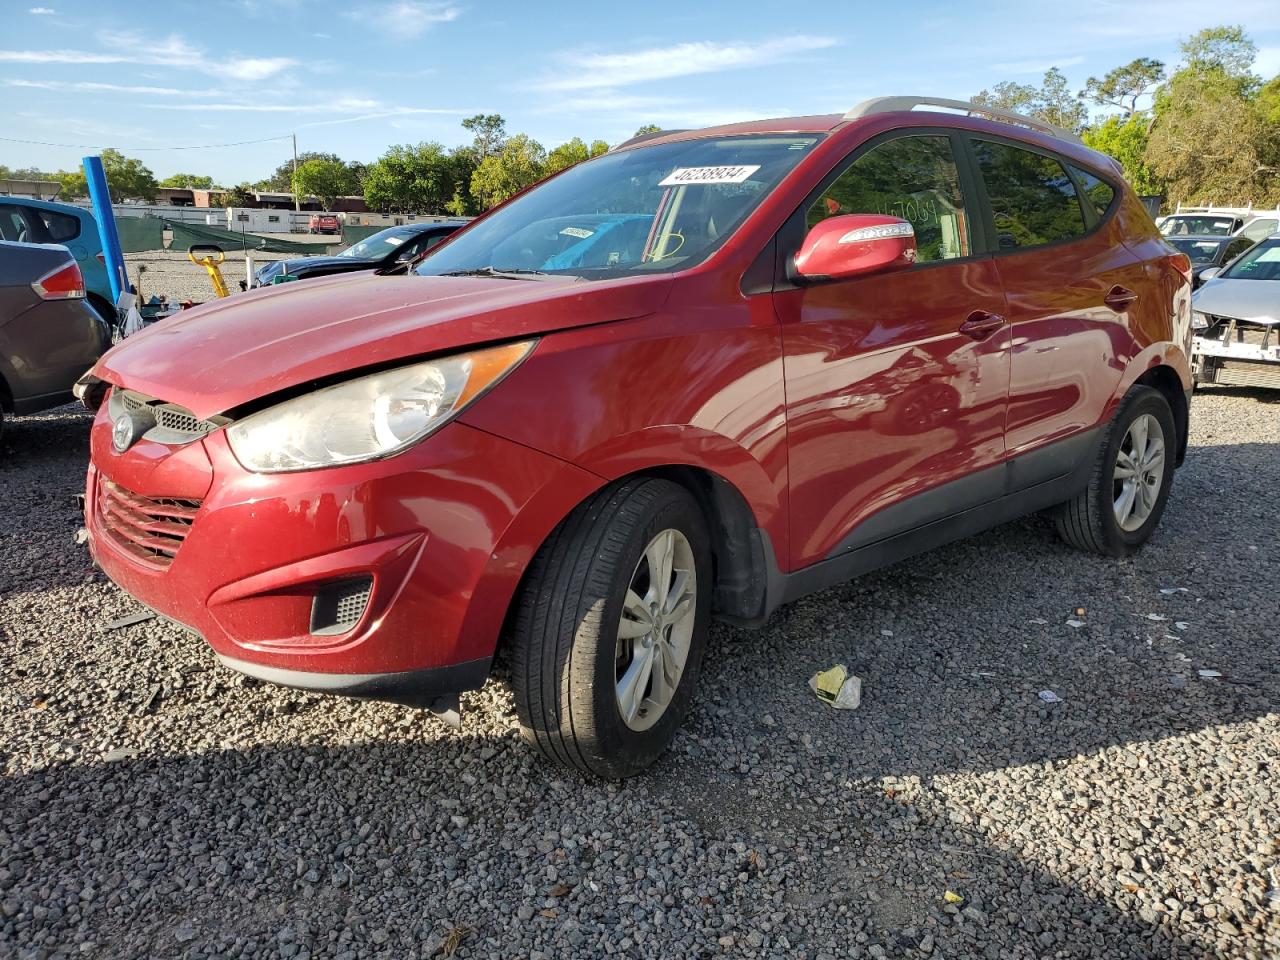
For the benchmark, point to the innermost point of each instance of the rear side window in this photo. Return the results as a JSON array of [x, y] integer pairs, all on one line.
[[1097, 193], [1032, 199], [61, 227], [912, 178]]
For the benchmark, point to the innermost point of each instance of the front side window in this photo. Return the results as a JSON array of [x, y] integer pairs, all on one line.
[[652, 209], [1261, 229], [1260, 263], [1032, 199], [1235, 248], [911, 178]]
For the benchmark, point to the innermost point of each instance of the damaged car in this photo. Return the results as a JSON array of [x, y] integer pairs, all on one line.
[[697, 377], [1236, 314]]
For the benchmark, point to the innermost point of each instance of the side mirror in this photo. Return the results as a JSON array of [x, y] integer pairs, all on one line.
[[855, 244], [1208, 273]]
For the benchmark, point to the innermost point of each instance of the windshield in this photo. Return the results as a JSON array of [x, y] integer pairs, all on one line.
[[1261, 262], [648, 210], [1200, 251], [1203, 226], [378, 245]]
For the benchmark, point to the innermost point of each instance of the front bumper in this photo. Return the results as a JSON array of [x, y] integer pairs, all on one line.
[[442, 533]]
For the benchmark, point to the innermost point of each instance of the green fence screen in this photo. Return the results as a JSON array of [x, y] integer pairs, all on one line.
[[138, 234]]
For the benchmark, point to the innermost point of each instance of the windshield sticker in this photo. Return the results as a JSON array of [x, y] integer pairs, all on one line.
[[697, 175], [576, 232], [394, 241]]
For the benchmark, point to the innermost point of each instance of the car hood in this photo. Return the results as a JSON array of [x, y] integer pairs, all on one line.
[[1243, 299], [219, 356]]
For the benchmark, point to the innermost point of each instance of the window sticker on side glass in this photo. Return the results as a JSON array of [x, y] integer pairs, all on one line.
[[682, 176], [578, 232]]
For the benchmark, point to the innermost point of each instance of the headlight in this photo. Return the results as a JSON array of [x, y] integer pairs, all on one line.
[[1199, 321], [371, 417]]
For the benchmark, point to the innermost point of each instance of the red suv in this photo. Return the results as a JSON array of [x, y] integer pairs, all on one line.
[[700, 376]]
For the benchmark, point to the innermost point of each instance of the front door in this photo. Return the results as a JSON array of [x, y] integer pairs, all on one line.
[[895, 415]]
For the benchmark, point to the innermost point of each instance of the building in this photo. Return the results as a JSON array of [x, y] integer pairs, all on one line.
[[30, 189]]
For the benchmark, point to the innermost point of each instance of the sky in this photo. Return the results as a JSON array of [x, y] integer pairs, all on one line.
[[352, 78]]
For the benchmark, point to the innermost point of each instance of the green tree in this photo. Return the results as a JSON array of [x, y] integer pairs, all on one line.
[[519, 164], [1126, 141], [1225, 50], [1124, 86], [647, 128], [1269, 101], [282, 180], [414, 179], [1051, 102], [241, 195], [324, 179], [127, 179], [188, 181], [575, 151], [1211, 137], [489, 132]]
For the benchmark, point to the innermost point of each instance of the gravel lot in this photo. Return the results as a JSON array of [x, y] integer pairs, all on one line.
[[154, 804], [169, 273]]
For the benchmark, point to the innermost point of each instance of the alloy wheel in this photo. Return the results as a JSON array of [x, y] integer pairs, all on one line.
[[655, 630], [1139, 472]]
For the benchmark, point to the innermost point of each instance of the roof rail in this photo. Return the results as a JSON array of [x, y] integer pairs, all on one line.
[[895, 104]]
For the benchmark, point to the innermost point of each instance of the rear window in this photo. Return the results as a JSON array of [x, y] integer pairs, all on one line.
[[62, 227], [1033, 201]]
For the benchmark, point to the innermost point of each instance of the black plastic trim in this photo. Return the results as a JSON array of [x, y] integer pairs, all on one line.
[[412, 688]]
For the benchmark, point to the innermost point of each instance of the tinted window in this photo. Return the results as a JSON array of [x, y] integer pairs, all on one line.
[[1200, 251], [912, 178], [12, 226], [1260, 263], [1097, 193], [1235, 248], [62, 227], [1260, 229], [1032, 198]]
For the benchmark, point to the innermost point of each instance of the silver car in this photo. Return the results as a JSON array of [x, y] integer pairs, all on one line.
[[1236, 314]]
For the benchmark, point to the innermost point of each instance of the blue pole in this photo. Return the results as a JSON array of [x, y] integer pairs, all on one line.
[[96, 178]]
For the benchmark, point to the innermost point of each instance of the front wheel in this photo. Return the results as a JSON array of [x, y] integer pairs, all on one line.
[[610, 627], [1130, 482]]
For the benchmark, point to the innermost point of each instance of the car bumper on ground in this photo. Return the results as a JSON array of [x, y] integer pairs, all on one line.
[[388, 579]]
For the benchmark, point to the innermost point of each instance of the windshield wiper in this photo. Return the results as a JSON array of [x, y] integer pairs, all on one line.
[[515, 273]]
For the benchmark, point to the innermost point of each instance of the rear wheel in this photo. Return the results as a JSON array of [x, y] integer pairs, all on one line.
[[610, 627], [1130, 482]]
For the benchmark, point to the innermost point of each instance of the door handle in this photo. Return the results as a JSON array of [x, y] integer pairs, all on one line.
[[980, 324], [1120, 298]]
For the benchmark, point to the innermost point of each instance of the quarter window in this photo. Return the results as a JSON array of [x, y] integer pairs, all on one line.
[[60, 226], [1097, 193], [912, 178], [1032, 199]]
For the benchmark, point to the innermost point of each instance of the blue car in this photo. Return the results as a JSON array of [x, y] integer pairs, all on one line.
[[39, 221]]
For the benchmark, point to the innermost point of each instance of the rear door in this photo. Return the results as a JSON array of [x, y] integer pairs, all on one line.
[[895, 417], [1071, 286]]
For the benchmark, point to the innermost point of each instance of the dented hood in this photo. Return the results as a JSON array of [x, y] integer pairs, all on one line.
[[219, 356]]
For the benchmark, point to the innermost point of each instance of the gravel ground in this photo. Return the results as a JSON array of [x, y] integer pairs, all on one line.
[[169, 273], [154, 804]]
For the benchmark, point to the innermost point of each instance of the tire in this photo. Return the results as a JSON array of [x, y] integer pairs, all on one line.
[[1090, 520], [568, 660], [105, 311]]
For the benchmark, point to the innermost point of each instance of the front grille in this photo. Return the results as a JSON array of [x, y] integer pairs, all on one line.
[[160, 421], [338, 606], [151, 530]]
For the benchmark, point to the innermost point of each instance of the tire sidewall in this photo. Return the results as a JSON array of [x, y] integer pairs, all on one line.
[[623, 750], [1143, 401]]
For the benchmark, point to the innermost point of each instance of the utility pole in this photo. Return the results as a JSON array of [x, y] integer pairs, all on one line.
[[294, 184]]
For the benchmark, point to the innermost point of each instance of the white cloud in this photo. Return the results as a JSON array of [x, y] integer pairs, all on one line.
[[86, 86], [172, 52], [42, 11], [1267, 65], [406, 19], [1037, 66], [585, 71]]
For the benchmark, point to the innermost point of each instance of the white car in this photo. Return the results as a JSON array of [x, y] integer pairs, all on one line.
[[1236, 314]]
